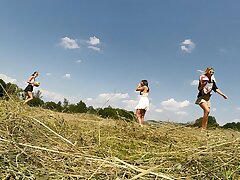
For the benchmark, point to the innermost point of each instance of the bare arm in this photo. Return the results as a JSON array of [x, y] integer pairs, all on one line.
[[201, 85], [142, 88], [220, 92]]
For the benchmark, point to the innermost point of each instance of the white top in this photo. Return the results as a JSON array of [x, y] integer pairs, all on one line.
[[144, 94], [32, 81]]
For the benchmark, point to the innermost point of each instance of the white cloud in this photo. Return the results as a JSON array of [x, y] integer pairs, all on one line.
[[236, 120], [214, 109], [130, 104], [69, 43], [48, 74], [173, 105], [120, 100], [7, 79], [78, 61], [183, 48], [94, 48], [53, 96], [194, 82], [94, 41], [201, 71], [67, 76], [238, 108], [181, 113], [187, 46], [112, 96], [159, 110]]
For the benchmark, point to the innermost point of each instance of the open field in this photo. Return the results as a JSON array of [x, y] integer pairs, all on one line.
[[42, 144]]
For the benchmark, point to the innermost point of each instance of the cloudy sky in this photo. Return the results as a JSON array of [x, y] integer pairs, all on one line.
[[98, 51]]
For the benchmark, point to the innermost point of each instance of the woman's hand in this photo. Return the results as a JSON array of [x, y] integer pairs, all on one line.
[[202, 85], [220, 92], [224, 96], [139, 87]]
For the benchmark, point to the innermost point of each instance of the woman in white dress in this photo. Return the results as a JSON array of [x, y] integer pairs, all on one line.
[[143, 104]]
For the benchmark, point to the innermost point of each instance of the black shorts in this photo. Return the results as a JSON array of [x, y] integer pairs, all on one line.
[[29, 88]]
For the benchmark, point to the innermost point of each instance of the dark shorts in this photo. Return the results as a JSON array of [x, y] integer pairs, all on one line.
[[204, 99], [29, 88]]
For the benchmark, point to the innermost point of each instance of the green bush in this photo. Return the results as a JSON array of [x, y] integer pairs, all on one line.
[[212, 122], [233, 125]]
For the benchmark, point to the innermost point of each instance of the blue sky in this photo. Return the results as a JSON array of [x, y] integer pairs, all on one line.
[[95, 50]]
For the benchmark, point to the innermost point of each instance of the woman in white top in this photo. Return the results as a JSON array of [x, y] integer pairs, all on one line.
[[143, 104], [29, 89]]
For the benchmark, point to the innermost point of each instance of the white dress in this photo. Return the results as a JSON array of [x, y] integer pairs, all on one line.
[[143, 102]]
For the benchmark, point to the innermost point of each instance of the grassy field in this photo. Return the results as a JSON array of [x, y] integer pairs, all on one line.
[[42, 144]]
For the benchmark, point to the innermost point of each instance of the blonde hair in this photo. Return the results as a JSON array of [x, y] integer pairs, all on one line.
[[208, 70]]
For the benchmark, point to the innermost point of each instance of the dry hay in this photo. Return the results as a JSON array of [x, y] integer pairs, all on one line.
[[42, 144]]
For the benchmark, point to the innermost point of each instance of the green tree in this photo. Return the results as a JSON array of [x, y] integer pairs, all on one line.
[[37, 99], [11, 91], [65, 105], [71, 108], [50, 105], [38, 94], [212, 122], [59, 106], [125, 115], [91, 110], [116, 113], [11, 88], [81, 107], [233, 125], [108, 112]]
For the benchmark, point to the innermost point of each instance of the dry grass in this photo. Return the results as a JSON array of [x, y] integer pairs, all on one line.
[[41, 144]]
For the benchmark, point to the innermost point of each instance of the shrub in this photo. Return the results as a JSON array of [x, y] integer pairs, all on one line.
[[211, 122]]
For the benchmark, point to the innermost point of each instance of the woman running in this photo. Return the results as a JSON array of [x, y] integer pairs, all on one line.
[[206, 85], [29, 89]]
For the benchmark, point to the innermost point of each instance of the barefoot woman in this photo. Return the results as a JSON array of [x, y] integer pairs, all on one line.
[[206, 85]]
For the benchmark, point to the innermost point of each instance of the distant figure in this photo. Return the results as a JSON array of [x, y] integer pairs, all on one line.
[[143, 104], [29, 89], [206, 85]]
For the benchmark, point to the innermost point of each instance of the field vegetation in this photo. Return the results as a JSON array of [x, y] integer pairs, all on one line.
[[37, 143]]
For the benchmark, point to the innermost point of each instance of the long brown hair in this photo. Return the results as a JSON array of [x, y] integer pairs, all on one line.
[[145, 83]]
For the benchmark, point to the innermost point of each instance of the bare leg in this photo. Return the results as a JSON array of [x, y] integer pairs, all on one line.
[[206, 111], [143, 111], [29, 97], [138, 115], [26, 95]]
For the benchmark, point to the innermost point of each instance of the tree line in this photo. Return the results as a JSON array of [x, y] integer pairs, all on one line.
[[8, 90]]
